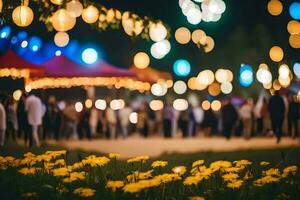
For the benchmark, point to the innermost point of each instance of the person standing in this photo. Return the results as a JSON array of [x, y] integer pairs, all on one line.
[[2, 121], [293, 117], [277, 108], [124, 119], [112, 122], [183, 123], [52, 119], [35, 111], [11, 118], [229, 118], [199, 116], [142, 125], [168, 115], [245, 113], [69, 121], [23, 127]]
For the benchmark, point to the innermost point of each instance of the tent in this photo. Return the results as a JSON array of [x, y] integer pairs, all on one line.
[[151, 75], [60, 66], [13, 65], [61, 72]]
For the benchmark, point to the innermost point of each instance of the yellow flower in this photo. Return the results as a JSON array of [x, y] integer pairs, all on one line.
[[264, 163], [192, 180], [63, 171], [166, 178], [27, 171], [94, 161], [159, 163], [290, 169], [196, 198], [29, 194], [136, 175], [114, 155], [231, 177], [197, 163], [179, 170], [266, 179], [29, 154], [248, 175], [84, 192], [220, 164], [60, 162], [132, 188], [242, 163], [74, 176], [114, 185], [272, 172], [138, 159], [232, 169], [235, 184]]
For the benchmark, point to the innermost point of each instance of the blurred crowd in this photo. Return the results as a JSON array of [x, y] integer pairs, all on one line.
[[33, 118]]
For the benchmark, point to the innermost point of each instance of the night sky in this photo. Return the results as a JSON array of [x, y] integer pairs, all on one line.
[[244, 34]]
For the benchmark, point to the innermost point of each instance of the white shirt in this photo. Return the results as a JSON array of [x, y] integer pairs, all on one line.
[[199, 114], [2, 117], [35, 110], [124, 115]]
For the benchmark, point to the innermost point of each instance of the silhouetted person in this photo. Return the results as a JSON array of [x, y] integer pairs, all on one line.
[[52, 119], [293, 117], [209, 123], [183, 122], [229, 118], [168, 116], [276, 109], [23, 126], [83, 127], [11, 118]]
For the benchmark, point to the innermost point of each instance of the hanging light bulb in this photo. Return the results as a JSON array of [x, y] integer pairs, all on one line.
[[62, 21], [1, 5], [22, 15], [90, 14], [57, 2], [74, 8], [61, 39]]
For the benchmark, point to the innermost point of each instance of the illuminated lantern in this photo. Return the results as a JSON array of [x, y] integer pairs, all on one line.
[[275, 7], [208, 43], [197, 35], [61, 39], [1, 5], [22, 16], [131, 26], [90, 14], [141, 60], [183, 35], [157, 32], [57, 2], [74, 8], [276, 54], [293, 27], [294, 41], [214, 89], [62, 21]]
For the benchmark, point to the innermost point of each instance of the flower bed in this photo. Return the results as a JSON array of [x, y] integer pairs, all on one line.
[[49, 176]]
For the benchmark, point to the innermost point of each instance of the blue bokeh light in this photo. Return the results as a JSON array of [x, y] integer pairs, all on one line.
[[89, 56], [22, 35], [35, 43], [182, 67], [295, 10], [296, 69], [5, 32], [246, 75], [14, 40]]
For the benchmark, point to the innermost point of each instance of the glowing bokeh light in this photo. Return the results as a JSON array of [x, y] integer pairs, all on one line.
[[156, 105], [182, 67], [180, 104], [296, 69], [216, 105], [295, 10], [133, 117], [246, 75], [205, 105], [100, 104], [5, 32], [17, 95], [180, 87], [89, 56], [78, 106]]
